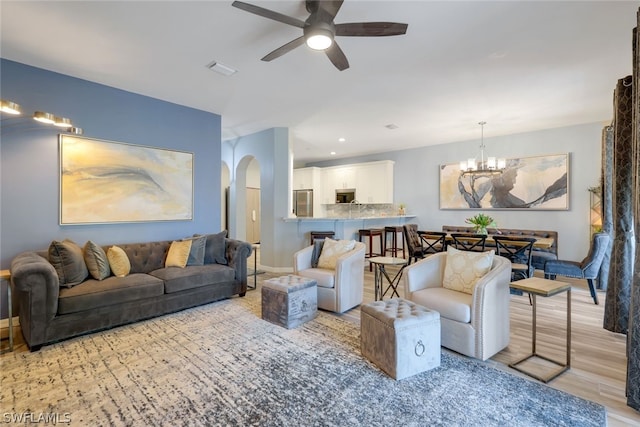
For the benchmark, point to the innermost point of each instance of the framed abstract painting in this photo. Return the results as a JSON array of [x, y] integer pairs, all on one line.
[[537, 183], [113, 182]]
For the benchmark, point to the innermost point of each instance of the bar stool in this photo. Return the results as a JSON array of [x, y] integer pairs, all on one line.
[[321, 235], [371, 233], [393, 248]]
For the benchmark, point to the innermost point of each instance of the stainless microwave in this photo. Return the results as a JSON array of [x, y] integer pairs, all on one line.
[[345, 195]]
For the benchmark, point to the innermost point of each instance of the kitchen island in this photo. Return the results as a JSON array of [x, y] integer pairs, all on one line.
[[344, 228]]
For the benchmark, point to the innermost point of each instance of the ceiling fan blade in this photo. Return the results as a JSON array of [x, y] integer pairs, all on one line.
[[331, 7], [337, 56], [284, 49], [270, 14], [371, 29]]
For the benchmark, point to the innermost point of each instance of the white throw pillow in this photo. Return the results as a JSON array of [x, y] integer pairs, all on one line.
[[463, 269], [332, 250]]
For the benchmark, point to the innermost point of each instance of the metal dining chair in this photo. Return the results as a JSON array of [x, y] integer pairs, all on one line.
[[433, 241], [469, 241], [588, 269]]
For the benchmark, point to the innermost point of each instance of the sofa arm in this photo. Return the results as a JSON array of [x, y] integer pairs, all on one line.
[[37, 286], [302, 259], [426, 273], [237, 252], [490, 309]]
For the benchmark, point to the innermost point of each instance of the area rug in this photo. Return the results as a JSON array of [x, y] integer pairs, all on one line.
[[221, 365]]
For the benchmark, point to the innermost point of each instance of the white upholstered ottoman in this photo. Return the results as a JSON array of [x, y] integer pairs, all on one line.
[[401, 337], [289, 301]]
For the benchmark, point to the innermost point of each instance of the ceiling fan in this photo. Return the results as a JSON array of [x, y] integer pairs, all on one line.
[[319, 29]]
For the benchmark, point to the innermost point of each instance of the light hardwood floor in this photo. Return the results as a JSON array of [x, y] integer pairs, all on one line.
[[598, 357]]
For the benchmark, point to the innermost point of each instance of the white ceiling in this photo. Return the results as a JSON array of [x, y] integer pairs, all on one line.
[[521, 66]]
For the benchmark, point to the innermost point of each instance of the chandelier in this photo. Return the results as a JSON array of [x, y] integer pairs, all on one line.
[[490, 166]]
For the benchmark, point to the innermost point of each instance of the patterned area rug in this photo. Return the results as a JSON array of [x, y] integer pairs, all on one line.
[[221, 365]]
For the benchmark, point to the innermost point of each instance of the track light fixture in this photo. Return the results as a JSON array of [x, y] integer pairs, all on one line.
[[10, 107]]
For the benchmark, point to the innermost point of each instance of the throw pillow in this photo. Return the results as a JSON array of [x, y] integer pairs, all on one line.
[[463, 269], [178, 254], [96, 261], [196, 254], [315, 254], [332, 250], [118, 261], [215, 248], [66, 257]]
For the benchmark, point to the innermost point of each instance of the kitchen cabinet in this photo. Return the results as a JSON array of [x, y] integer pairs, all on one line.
[[373, 181], [306, 178]]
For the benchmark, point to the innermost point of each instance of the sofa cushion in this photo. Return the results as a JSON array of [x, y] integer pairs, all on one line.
[[450, 304], [178, 254], [464, 268], [118, 261], [179, 279], [324, 278], [113, 290], [96, 260], [215, 248], [196, 254], [66, 257]]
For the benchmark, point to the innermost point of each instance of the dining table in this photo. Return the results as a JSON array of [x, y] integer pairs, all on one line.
[[540, 243]]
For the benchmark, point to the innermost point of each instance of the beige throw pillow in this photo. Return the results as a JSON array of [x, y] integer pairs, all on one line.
[[332, 250], [178, 254], [463, 269], [118, 261]]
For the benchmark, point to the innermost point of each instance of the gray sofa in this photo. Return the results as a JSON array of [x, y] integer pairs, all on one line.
[[50, 312]]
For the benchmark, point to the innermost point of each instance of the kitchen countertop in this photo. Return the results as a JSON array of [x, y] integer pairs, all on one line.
[[364, 218]]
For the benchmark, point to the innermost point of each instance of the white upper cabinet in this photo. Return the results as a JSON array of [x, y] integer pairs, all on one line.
[[306, 178], [373, 181]]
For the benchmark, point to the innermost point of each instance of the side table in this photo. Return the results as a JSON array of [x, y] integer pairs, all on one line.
[[537, 286], [6, 275], [379, 264]]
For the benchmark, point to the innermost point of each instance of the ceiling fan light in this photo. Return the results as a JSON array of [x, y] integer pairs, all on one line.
[[319, 40]]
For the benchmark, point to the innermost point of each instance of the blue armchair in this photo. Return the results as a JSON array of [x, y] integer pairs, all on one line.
[[587, 269]]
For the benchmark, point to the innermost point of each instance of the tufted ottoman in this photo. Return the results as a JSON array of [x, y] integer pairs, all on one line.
[[289, 301], [402, 338]]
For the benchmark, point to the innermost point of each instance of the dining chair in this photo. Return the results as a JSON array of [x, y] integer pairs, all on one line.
[[433, 241], [469, 241], [588, 269], [414, 242], [517, 250]]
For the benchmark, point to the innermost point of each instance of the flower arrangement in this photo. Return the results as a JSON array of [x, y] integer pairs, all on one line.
[[480, 222]]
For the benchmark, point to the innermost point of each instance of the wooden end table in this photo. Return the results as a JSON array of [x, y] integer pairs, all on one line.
[[537, 286]]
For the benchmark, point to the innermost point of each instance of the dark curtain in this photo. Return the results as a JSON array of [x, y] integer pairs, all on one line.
[[616, 315], [633, 337], [606, 205]]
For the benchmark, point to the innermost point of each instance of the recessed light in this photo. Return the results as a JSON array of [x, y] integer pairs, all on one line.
[[221, 68], [333, 153], [391, 126], [341, 140]]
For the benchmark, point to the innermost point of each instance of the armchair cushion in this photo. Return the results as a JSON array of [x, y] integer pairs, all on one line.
[[324, 278], [450, 304], [563, 268], [463, 269], [331, 251]]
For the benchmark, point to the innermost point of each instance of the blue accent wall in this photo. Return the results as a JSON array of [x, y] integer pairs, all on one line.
[[29, 202]]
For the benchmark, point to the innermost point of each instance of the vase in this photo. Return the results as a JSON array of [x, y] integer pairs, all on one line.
[[481, 230]]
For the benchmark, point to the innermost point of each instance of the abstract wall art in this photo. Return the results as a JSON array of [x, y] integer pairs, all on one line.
[[113, 182], [540, 182]]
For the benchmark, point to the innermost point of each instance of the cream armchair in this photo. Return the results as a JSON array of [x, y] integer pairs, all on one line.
[[476, 325], [339, 289]]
